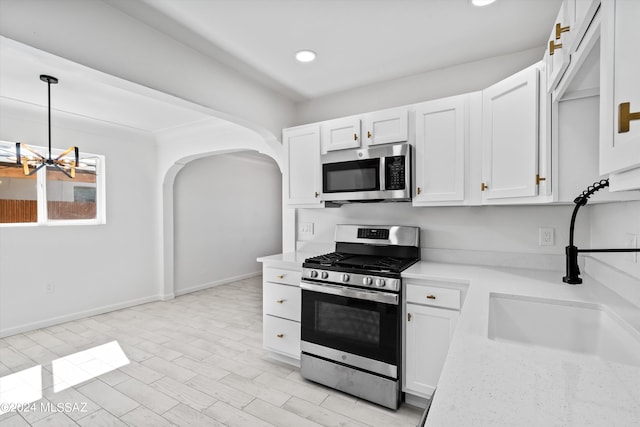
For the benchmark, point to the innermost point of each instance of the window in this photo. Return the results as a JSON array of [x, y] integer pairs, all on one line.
[[49, 197]]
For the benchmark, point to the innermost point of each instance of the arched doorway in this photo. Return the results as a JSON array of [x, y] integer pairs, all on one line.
[[227, 212]]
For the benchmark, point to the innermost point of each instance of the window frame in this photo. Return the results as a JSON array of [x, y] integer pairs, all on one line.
[[41, 194]]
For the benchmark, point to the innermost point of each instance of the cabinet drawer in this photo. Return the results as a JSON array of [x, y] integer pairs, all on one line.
[[281, 275], [281, 335], [431, 295], [281, 300]]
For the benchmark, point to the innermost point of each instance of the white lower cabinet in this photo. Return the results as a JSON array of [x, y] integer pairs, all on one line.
[[428, 333], [281, 305], [432, 311], [282, 336]]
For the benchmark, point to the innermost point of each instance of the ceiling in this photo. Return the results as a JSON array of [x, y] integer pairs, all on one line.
[[82, 91], [358, 42]]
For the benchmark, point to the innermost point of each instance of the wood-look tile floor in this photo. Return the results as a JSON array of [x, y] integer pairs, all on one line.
[[194, 361]]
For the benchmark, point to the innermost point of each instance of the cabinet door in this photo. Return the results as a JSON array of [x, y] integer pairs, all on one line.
[[428, 333], [387, 126], [302, 172], [440, 150], [558, 53], [620, 86], [341, 134], [510, 136]]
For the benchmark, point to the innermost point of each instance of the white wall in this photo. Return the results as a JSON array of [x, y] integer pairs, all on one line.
[[94, 268], [228, 212], [451, 232], [416, 88], [610, 223]]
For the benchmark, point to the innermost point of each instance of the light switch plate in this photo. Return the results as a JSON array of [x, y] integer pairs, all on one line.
[[631, 242], [305, 229]]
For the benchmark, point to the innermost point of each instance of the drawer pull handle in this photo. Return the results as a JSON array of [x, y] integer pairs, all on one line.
[[280, 335], [431, 297], [280, 276], [625, 116], [280, 301]]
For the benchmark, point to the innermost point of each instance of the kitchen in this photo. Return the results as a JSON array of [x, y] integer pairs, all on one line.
[[161, 261]]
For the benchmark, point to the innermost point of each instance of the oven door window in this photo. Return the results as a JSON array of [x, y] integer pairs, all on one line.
[[357, 175], [366, 328]]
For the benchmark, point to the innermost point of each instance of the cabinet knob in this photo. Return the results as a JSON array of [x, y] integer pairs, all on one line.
[[280, 301], [315, 194], [369, 134], [280, 335], [355, 136], [431, 297], [560, 29], [553, 46], [539, 179], [280, 276], [625, 116], [483, 187], [408, 317], [418, 190]]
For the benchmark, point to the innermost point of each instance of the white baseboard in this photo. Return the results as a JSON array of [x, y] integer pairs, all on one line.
[[216, 283], [75, 316]]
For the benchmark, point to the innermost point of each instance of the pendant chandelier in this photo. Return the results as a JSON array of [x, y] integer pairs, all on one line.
[[32, 161]]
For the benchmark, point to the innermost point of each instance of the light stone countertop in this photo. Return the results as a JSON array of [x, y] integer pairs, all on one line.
[[287, 260], [490, 383]]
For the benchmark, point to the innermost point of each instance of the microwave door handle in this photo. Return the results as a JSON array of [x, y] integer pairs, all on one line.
[[383, 165]]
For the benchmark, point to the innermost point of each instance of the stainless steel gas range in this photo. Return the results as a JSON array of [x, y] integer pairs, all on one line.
[[351, 311]]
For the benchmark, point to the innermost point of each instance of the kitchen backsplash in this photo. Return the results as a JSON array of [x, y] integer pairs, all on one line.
[[496, 235]]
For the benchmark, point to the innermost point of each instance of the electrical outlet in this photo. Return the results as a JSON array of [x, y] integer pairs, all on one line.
[[50, 288], [545, 236], [631, 242]]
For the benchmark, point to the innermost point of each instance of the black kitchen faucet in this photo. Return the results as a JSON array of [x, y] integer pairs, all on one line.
[[571, 251]]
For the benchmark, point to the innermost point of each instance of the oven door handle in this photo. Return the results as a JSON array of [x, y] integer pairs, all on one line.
[[383, 297]]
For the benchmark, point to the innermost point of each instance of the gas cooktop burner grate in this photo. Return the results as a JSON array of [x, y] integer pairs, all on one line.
[[363, 262], [328, 259]]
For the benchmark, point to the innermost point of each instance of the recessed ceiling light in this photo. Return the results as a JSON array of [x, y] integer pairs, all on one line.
[[482, 2], [305, 55]]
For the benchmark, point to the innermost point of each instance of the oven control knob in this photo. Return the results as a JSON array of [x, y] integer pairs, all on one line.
[[380, 283], [313, 274], [324, 275], [366, 281], [345, 277]]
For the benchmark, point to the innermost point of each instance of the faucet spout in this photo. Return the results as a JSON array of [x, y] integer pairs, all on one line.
[[573, 271]]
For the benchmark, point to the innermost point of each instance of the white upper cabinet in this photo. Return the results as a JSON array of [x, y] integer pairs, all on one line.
[[620, 91], [302, 173], [340, 134], [558, 53], [510, 137], [567, 36], [441, 129], [386, 126]]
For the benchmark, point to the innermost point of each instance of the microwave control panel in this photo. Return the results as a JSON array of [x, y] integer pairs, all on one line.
[[395, 173]]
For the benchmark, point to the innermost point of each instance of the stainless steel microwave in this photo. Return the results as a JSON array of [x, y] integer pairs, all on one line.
[[367, 175]]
